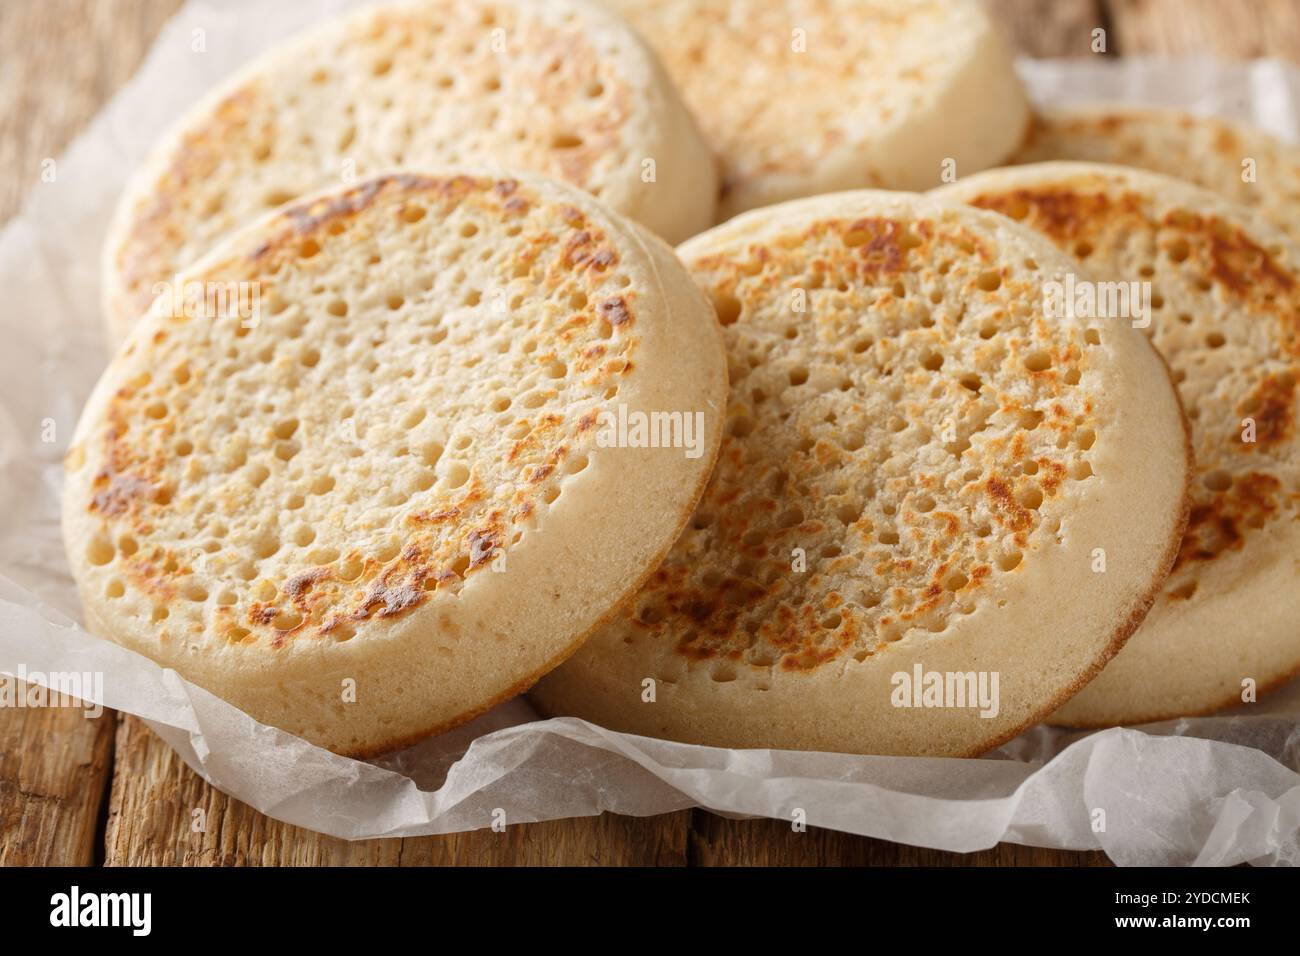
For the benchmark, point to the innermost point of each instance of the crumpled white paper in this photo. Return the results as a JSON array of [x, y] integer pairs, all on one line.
[[1219, 790]]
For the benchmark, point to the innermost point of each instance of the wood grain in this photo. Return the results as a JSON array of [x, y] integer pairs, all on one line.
[[1049, 27], [59, 61], [1232, 29], [716, 841], [54, 770]]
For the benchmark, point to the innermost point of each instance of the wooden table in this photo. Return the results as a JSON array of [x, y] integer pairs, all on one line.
[[107, 791]]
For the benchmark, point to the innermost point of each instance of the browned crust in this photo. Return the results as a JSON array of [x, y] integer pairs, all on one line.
[[1127, 626], [130, 478]]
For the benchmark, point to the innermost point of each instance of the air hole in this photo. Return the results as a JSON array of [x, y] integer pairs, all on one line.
[[1038, 361], [1217, 481], [728, 308], [1030, 497], [287, 620], [457, 475]]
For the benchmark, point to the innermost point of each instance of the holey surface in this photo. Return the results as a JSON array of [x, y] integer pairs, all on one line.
[[799, 97], [558, 87], [1225, 297], [1246, 165], [391, 488], [917, 472]]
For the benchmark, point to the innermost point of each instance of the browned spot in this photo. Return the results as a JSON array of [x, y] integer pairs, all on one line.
[[1009, 511], [388, 597], [302, 582], [1272, 407], [1238, 263], [882, 253], [1221, 523], [308, 218], [1050, 476], [1061, 213], [118, 492], [433, 517], [482, 546], [583, 249], [262, 614], [614, 311]]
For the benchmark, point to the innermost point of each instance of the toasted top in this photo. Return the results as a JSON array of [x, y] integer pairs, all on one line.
[[1241, 163], [561, 88], [1224, 292], [799, 98], [355, 408], [916, 462]]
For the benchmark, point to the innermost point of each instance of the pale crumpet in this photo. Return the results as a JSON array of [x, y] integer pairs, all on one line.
[[357, 481], [799, 97], [896, 553], [1224, 310], [561, 87]]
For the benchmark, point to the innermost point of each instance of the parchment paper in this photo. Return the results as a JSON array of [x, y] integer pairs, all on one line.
[[1216, 790]]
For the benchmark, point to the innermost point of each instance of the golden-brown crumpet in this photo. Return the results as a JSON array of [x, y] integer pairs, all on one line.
[[799, 97], [1224, 290], [1241, 163], [367, 453], [562, 88], [895, 554]]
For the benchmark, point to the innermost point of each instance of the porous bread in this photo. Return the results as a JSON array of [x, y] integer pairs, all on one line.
[[562, 88], [946, 459], [800, 97], [394, 477], [1203, 150], [1225, 292]]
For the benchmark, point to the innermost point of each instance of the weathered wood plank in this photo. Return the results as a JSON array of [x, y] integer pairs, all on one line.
[[59, 60], [1239, 29], [717, 841], [54, 767], [161, 813], [1049, 27]]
